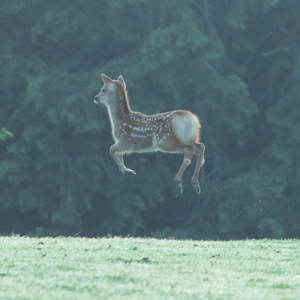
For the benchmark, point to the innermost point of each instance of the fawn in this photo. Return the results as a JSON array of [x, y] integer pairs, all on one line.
[[174, 131]]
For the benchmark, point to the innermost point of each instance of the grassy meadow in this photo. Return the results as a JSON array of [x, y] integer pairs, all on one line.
[[146, 268]]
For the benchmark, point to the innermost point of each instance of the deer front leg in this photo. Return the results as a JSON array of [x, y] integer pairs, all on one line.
[[199, 151], [178, 178], [114, 151]]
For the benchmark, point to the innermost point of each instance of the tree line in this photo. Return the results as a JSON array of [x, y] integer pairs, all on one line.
[[234, 63]]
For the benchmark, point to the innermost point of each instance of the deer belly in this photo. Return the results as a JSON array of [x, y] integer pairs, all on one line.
[[144, 143]]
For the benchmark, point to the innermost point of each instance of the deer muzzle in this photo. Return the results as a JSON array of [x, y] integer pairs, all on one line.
[[96, 100]]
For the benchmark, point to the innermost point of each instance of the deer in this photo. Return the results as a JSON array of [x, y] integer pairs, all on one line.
[[176, 131]]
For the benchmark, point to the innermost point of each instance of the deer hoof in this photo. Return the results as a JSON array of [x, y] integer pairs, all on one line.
[[129, 172], [179, 185], [197, 187]]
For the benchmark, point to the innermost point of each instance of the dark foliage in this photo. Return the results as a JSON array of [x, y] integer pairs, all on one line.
[[235, 63]]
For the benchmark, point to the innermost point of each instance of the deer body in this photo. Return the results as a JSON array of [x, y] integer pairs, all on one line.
[[175, 131]]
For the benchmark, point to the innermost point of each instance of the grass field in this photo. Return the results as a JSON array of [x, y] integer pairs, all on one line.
[[137, 268]]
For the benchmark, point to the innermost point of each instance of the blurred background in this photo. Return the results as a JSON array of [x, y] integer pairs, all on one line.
[[235, 63]]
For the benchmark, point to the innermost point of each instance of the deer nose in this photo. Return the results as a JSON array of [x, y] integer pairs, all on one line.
[[96, 100]]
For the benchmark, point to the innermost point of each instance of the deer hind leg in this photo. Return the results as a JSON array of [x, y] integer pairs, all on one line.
[[186, 162], [116, 154], [199, 151]]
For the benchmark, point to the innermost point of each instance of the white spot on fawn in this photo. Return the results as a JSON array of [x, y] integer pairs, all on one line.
[[137, 135]]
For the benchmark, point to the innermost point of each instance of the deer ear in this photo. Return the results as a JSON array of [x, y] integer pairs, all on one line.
[[121, 79], [106, 79]]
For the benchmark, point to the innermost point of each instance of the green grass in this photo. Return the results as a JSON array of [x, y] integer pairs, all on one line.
[[136, 268]]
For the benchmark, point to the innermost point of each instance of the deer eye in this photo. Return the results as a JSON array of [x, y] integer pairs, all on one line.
[[103, 90]]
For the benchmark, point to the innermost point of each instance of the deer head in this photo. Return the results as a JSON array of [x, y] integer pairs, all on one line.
[[108, 89]]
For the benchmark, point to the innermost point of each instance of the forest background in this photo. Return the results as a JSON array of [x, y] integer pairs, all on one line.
[[235, 63]]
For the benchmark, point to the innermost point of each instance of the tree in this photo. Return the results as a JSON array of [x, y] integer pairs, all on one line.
[[234, 63]]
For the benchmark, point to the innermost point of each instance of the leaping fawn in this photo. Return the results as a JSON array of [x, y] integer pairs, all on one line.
[[175, 131]]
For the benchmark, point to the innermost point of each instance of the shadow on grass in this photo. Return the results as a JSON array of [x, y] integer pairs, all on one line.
[[143, 260]]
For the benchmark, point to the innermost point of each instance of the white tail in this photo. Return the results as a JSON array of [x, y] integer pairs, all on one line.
[[175, 131]]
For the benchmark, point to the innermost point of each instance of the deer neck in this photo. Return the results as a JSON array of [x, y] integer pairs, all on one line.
[[118, 107]]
